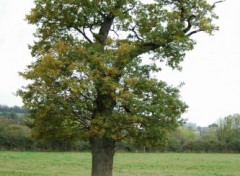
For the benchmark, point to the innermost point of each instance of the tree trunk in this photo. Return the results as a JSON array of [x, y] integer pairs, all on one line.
[[103, 150]]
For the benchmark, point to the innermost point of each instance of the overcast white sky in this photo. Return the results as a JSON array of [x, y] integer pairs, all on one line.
[[211, 71]]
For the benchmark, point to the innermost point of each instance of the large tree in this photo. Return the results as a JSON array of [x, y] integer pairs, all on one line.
[[89, 79]]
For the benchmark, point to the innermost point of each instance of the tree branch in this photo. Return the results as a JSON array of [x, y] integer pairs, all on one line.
[[144, 48], [189, 25], [133, 30], [115, 32], [194, 32], [107, 23], [105, 28], [131, 8], [83, 34], [214, 4], [85, 123]]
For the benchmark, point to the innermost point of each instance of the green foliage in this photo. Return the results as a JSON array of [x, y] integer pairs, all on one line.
[[13, 135], [181, 140], [229, 128], [89, 79]]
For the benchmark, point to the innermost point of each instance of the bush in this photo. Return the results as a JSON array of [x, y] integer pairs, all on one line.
[[234, 145]]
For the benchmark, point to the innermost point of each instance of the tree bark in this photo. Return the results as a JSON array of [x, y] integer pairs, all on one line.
[[103, 150]]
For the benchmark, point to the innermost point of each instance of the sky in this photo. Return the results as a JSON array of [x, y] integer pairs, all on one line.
[[211, 72]]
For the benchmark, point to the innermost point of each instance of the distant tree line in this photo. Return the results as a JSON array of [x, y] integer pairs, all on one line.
[[15, 109], [222, 136]]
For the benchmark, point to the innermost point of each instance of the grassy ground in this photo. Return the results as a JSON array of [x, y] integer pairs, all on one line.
[[126, 164]]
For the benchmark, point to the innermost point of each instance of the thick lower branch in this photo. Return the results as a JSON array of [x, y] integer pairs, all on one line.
[[105, 28]]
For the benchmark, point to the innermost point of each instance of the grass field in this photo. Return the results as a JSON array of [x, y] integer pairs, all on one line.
[[126, 164]]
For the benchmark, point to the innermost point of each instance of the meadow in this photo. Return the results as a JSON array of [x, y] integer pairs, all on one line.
[[125, 164]]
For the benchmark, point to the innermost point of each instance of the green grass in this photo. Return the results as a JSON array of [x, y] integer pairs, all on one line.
[[125, 164]]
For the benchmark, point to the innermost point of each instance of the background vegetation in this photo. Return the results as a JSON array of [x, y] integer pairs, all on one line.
[[222, 136]]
